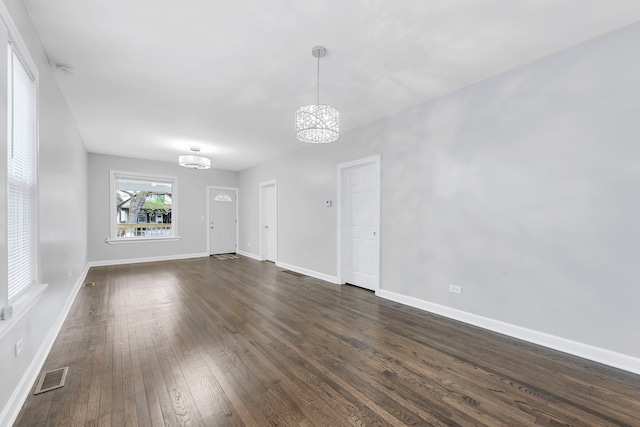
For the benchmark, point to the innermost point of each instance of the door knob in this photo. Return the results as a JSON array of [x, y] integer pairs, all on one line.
[[374, 234], [266, 226]]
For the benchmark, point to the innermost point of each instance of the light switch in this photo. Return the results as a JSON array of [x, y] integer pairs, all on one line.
[[327, 203]]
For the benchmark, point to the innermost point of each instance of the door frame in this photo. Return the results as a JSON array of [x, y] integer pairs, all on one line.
[[342, 218], [215, 187], [261, 187]]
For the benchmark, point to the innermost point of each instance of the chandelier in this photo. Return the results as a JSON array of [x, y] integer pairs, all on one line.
[[318, 123], [193, 161]]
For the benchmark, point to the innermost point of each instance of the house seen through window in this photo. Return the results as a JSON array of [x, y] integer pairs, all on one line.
[[144, 206]]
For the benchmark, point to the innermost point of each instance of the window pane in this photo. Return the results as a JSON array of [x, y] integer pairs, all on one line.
[[21, 173], [143, 207]]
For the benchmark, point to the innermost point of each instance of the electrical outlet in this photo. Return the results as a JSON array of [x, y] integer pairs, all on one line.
[[19, 346], [455, 289], [6, 313]]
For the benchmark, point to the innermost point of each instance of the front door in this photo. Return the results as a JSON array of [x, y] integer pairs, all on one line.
[[222, 220]]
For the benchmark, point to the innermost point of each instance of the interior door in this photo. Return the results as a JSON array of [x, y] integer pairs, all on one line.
[[269, 223], [222, 221], [361, 225]]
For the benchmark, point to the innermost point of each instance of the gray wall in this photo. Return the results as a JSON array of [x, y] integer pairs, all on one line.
[[522, 188], [63, 214], [192, 207], [306, 228]]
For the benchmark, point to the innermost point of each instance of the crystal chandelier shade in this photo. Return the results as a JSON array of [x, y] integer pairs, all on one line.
[[318, 124], [192, 161]]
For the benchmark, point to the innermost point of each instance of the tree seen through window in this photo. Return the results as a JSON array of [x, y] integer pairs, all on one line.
[[143, 201]]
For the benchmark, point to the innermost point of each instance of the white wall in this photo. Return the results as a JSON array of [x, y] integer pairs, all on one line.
[[62, 226], [522, 189], [192, 208]]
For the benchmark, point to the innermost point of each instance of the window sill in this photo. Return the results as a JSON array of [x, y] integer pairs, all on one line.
[[21, 306], [141, 240]]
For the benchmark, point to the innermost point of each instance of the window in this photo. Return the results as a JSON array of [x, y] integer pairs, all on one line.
[[143, 207], [223, 197], [22, 258]]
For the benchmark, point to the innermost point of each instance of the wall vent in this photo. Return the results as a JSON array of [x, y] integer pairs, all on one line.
[[89, 285], [50, 380]]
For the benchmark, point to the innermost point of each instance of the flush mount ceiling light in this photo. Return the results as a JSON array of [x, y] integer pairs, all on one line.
[[318, 123], [193, 161]]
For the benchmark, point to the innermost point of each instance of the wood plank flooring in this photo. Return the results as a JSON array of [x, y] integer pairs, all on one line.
[[207, 342]]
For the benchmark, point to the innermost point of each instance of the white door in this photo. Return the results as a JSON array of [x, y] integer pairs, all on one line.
[[269, 222], [361, 218], [222, 220]]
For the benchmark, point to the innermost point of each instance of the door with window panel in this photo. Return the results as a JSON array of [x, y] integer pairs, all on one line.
[[222, 220]]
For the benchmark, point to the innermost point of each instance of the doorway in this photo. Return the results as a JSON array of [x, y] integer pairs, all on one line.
[[222, 208], [269, 221], [359, 223]]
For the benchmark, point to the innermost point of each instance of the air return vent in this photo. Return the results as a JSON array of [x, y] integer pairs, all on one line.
[[51, 380], [293, 273]]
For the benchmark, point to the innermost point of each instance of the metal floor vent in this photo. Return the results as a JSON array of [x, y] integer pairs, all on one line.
[[51, 380], [293, 273], [89, 285]]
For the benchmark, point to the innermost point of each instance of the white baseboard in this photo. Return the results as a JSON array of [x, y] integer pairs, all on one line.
[[21, 392], [148, 259], [596, 354], [321, 276], [301, 270], [248, 255]]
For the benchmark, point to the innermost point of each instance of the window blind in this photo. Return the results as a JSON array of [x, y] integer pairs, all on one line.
[[21, 177]]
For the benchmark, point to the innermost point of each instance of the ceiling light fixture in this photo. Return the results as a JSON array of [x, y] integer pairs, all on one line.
[[318, 123], [193, 161]]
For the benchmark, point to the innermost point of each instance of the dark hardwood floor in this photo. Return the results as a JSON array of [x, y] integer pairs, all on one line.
[[205, 342]]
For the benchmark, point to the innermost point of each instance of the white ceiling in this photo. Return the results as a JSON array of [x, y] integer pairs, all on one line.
[[154, 77]]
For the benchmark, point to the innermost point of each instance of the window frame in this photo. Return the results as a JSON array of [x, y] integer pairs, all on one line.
[[25, 300], [113, 207], [16, 47]]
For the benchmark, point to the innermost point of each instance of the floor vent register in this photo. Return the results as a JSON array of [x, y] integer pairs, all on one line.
[[51, 380]]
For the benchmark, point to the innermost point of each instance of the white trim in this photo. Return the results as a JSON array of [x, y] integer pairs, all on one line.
[[214, 187], [261, 186], [13, 406], [141, 240], [21, 306], [16, 38], [149, 259], [307, 272], [151, 177], [17, 44], [340, 208], [249, 255], [586, 351]]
